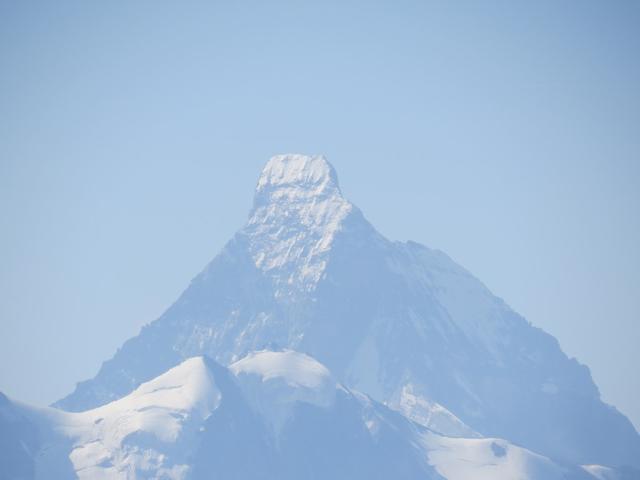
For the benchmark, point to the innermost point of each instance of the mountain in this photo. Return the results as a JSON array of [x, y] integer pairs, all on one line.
[[399, 321], [271, 415]]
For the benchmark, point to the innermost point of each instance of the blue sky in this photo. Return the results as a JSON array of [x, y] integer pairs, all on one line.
[[505, 133]]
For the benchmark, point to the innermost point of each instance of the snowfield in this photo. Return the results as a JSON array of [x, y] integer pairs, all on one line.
[[161, 429]]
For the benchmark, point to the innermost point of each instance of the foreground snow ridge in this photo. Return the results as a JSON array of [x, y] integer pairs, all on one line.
[[296, 369], [193, 422], [146, 431], [274, 382]]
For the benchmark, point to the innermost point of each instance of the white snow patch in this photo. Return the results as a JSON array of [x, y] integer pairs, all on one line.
[[276, 381], [132, 437], [486, 459]]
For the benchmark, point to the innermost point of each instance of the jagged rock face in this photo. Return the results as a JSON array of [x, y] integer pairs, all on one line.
[[399, 321]]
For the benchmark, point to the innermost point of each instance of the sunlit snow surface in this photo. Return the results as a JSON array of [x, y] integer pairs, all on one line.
[[273, 382], [148, 431], [487, 459], [158, 430]]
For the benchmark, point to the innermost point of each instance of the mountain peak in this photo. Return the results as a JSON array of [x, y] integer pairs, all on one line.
[[295, 173], [298, 209], [189, 386], [274, 382], [296, 369]]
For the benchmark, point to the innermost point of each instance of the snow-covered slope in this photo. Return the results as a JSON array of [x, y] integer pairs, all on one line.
[[272, 415], [151, 431], [200, 420], [399, 321], [274, 382]]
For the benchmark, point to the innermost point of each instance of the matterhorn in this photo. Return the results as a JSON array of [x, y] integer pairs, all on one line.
[[312, 332]]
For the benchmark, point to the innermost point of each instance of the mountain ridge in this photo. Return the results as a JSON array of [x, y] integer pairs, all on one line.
[[397, 320], [201, 419]]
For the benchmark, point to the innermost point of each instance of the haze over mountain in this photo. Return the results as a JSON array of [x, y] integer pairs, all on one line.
[[398, 321]]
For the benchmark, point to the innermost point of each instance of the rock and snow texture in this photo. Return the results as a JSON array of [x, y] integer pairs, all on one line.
[[401, 322], [200, 420], [142, 432], [148, 433], [275, 382], [298, 209]]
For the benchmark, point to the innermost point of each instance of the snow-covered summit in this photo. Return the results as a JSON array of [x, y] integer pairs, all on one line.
[[275, 382], [296, 369], [298, 209], [302, 174], [187, 387]]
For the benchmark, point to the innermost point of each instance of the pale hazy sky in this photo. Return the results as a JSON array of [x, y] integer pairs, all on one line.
[[505, 133]]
